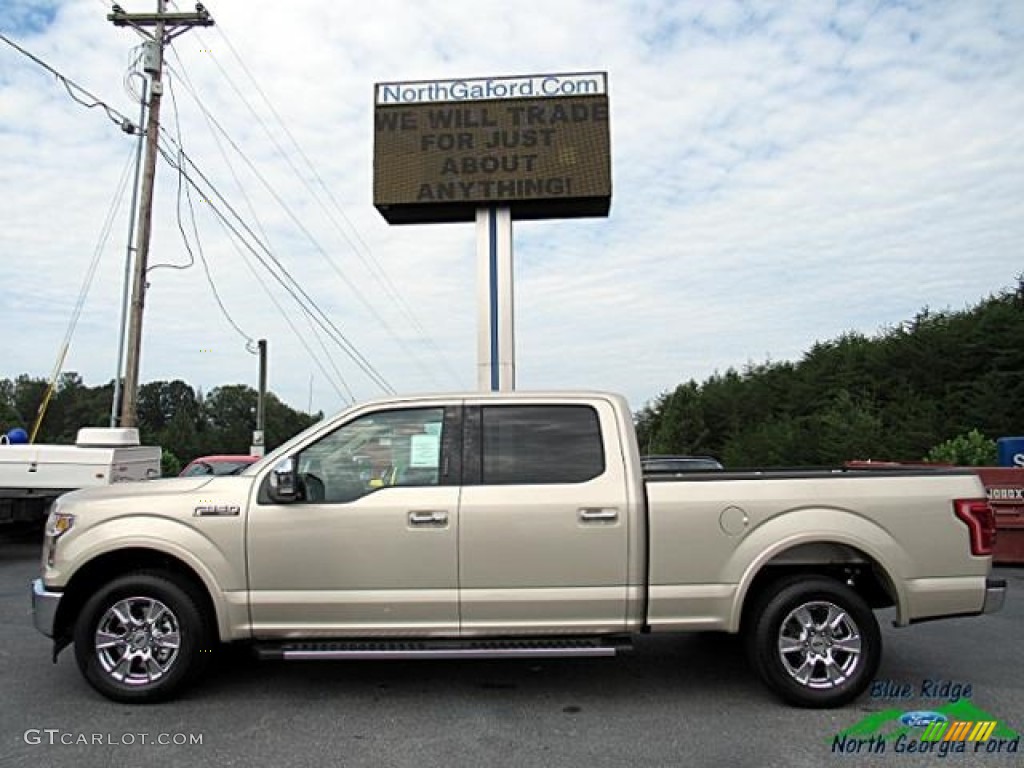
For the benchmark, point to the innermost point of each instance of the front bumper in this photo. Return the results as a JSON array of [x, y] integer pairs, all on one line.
[[44, 607], [995, 595]]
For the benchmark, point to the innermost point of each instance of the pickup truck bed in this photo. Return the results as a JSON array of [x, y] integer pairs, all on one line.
[[746, 520]]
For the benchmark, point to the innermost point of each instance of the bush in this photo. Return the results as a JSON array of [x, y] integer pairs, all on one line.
[[971, 449], [170, 465]]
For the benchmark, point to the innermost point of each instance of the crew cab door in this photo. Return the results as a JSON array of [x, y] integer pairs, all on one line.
[[369, 546], [543, 532]]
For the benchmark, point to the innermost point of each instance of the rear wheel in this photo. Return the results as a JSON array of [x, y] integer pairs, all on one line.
[[814, 641], [142, 637]]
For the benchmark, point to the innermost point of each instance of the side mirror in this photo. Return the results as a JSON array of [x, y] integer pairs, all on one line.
[[283, 488]]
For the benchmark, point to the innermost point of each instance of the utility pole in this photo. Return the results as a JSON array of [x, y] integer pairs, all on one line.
[[115, 403], [166, 26], [258, 440]]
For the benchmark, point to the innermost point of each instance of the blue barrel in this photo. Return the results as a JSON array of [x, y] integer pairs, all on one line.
[[17, 436], [1011, 451]]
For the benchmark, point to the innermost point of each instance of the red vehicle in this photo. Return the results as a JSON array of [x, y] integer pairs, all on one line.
[[220, 464]]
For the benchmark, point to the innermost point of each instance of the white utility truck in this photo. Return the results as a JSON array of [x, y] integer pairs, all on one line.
[[33, 475]]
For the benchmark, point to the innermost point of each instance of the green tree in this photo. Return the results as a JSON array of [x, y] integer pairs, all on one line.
[[772, 443], [847, 428], [28, 396], [890, 396], [230, 415], [971, 449], [283, 422], [171, 415], [9, 416]]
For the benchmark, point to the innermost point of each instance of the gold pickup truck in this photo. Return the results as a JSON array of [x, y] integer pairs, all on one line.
[[504, 525]]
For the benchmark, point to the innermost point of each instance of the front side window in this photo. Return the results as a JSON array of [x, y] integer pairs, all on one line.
[[541, 444], [382, 449]]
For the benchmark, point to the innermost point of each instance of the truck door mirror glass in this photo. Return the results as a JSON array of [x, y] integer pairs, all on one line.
[[282, 481]]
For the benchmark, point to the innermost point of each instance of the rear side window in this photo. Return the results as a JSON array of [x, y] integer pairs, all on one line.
[[541, 444]]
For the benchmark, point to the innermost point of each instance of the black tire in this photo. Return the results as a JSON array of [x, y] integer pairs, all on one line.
[[814, 641], [156, 637]]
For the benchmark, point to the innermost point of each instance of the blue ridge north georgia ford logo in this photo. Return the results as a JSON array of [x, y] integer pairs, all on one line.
[[957, 726]]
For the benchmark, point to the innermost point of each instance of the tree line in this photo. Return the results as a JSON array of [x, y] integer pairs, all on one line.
[[941, 386], [182, 420]]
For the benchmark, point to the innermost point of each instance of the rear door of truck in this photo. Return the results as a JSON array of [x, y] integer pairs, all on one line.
[[543, 540]]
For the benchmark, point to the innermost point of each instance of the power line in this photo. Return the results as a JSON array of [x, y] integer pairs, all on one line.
[[301, 338], [365, 255], [360, 295], [250, 344], [181, 188], [295, 220], [115, 206], [359, 247], [116, 117], [290, 284], [133, 71], [242, 189], [83, 293]]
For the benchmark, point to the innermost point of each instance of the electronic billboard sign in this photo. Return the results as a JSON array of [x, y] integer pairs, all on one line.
[[538, 144]]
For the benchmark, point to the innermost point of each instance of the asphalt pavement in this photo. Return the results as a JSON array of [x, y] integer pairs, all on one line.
[[677, 701]]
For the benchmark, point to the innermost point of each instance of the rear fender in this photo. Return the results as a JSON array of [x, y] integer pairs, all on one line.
[[813, 526]]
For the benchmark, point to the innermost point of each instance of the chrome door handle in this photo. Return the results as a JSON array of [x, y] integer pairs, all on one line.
[[428, 518], [588, 515]]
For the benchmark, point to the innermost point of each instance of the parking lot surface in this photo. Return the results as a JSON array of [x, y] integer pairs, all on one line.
[[677, 701]]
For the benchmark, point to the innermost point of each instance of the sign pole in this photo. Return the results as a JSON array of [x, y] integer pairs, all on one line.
[[496, 353]]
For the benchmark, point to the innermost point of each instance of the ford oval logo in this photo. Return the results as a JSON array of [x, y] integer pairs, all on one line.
[[922, 719]]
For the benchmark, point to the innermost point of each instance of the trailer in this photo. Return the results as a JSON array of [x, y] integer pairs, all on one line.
[[1005, 489], [33, 475]]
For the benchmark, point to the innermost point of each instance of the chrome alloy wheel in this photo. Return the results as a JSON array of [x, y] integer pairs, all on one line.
[[820, 645], [137, 640]]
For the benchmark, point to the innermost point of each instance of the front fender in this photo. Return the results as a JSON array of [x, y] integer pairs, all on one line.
[[215, 554]]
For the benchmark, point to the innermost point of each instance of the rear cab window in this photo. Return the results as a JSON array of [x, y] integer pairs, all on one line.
[[540, 444]]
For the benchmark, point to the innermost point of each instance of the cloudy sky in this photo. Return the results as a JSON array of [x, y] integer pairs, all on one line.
[[782, 173]]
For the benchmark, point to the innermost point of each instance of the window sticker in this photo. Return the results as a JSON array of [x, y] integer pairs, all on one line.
[[425, 451]]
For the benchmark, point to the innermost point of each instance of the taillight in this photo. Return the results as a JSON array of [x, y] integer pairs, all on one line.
[[977, 515]]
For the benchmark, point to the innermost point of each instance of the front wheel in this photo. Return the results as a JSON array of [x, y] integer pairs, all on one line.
[[815, 642], [141, 638]]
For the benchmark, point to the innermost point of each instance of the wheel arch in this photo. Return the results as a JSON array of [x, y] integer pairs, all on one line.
[[845, 563], [836, 557], [107, 566]]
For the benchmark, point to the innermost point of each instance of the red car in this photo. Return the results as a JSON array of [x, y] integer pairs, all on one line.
[[218, 465]]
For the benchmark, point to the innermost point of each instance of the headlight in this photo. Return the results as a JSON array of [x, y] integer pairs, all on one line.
[[59, 523]]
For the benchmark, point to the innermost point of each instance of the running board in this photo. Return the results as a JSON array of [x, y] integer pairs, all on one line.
[[434, 649]]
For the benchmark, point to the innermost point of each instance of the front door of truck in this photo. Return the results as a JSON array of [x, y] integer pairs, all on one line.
[[369, 547], [544, 531]]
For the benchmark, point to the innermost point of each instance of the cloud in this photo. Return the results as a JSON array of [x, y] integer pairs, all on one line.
[[781, 174], [29, 17]]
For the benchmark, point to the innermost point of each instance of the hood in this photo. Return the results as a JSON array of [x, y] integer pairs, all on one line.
[[229, 485]]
